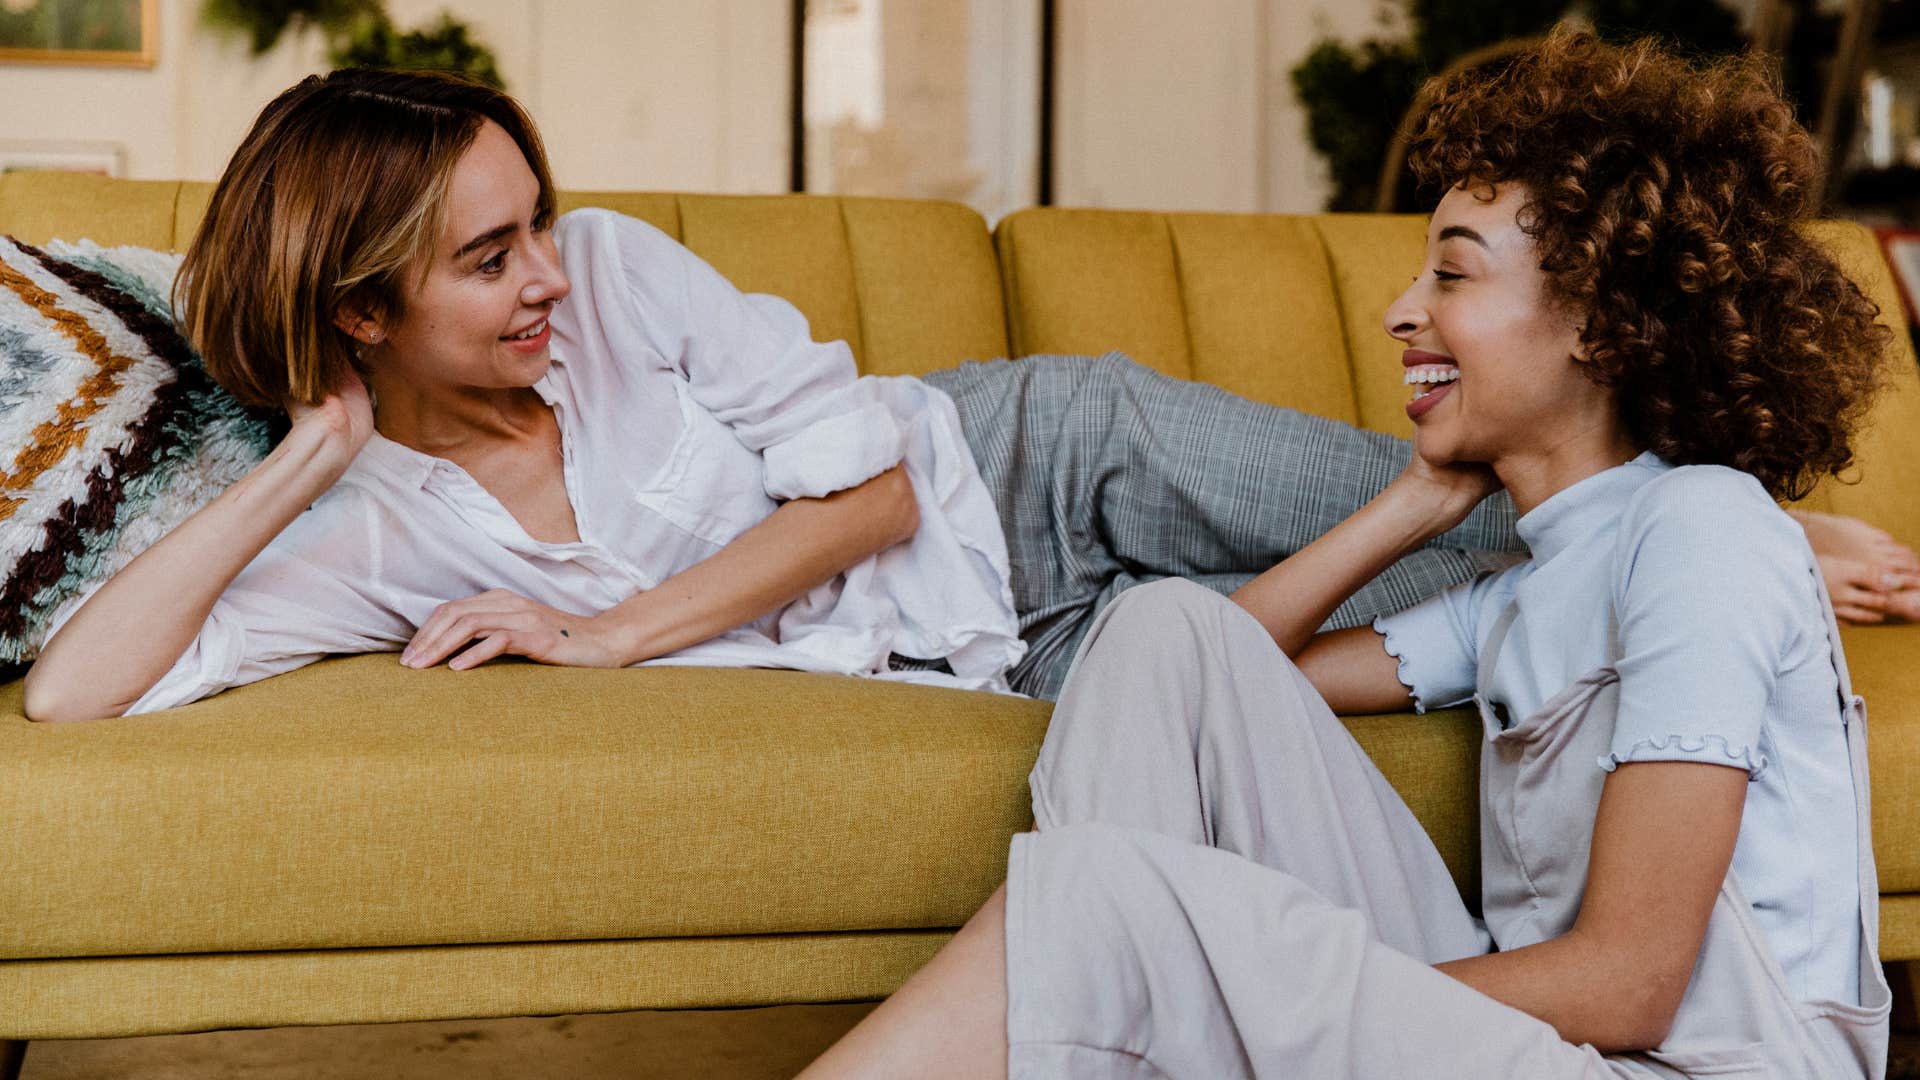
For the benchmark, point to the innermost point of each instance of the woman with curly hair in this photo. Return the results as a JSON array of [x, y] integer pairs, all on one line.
[[1620, 323]]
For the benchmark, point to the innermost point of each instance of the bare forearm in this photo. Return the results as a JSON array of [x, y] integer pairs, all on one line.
[[1294, 598], [150, 612], [801, 545], [1585, 991], [1617, 978]]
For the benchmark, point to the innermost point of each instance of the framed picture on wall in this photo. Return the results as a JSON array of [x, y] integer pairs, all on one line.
[[118, 32], [63, 155], [909, 99]]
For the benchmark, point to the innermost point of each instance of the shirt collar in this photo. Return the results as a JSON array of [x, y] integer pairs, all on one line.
[[1584, 509], [402, 464]]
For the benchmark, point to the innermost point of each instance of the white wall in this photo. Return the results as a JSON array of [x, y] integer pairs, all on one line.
[[1189, 106], [629, 94], [1161, 104]]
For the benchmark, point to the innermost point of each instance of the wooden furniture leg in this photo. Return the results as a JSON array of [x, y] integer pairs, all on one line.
[[13, 1053]]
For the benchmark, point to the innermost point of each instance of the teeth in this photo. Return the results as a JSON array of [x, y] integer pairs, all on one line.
[[1431, 373], [531, 331]]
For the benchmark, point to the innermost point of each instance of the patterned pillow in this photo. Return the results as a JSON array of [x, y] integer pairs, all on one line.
[[116, 434]]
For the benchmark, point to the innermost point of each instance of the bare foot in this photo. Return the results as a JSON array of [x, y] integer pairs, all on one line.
[[1871, 577]]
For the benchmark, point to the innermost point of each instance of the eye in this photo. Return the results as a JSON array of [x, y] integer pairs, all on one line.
[[1446, 278], [495, 264]]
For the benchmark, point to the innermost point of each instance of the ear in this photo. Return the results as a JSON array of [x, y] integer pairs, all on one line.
[[359, 324]]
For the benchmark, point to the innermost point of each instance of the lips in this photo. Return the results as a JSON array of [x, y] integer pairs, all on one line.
[[1434, 373]]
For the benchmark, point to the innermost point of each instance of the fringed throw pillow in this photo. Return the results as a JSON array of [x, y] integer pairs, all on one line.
[[111, 433]]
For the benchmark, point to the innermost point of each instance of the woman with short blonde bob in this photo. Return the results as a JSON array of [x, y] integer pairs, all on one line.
[[1677, 874]]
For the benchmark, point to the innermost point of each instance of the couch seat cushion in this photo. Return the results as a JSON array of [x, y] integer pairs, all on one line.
[[358, 803]]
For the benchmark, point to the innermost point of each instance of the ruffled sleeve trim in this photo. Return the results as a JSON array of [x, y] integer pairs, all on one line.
[[1401, 670], [1708, 749]]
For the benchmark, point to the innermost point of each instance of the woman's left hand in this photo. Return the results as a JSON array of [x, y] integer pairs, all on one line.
[[498, 622]]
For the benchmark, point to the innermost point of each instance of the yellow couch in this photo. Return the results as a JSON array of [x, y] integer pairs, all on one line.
[[356, 842]]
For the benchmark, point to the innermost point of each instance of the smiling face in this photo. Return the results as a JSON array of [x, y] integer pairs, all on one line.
[[1491, 358], [478, 319]]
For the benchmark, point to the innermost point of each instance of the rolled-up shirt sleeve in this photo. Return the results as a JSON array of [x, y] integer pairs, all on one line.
[[750, 360], [1434, 641], [1710, 592]]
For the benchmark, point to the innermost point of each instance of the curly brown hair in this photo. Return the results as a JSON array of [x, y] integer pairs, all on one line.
[[1667, 200]]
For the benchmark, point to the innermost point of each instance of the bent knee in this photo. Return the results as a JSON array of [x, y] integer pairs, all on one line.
[[1167, 599]]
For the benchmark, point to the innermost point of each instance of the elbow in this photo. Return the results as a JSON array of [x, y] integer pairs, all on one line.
[[1644, 1008], [43, 702]]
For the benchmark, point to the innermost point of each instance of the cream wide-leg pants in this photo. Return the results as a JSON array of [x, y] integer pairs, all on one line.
[[1225, 886]]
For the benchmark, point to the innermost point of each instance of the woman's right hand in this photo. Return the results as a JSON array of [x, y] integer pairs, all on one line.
[[342, 422], [1443, 494]]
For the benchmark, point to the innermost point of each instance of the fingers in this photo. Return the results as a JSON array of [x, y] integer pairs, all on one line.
[[488, 647], [456, 623]]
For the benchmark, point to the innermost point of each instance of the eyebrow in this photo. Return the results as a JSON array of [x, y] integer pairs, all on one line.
[[1463, 233], [485, 238]]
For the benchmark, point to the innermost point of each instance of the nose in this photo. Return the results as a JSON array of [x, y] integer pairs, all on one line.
[[1406, 316], [548, 284]]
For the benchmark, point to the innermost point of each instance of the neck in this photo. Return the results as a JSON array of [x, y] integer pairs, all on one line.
[[1535, 475], [440, 420]]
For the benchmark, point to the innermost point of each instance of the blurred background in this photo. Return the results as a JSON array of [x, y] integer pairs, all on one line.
[[1288, 106], [1233, 105]]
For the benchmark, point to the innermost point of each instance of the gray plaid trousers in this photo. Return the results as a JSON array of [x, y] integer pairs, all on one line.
[[1108, 474]]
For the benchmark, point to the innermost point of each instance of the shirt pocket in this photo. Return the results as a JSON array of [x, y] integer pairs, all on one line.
[[713, 486]]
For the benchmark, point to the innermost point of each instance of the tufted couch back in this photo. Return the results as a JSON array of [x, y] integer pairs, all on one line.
[[1284, 309]]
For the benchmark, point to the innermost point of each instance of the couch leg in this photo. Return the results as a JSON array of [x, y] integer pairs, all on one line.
[[13, 1052]]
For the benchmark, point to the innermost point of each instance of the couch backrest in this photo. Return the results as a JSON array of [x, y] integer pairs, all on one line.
[[1283, 309], [910, 284], [1289, 310]]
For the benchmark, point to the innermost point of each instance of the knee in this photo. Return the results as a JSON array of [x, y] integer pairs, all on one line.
[[1167, 600], [1175, 606]]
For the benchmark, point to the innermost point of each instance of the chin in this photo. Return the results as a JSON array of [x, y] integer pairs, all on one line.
[[1439, 449], [1433, 448]]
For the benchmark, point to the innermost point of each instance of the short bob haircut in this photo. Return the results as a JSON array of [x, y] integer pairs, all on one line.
[[336, 192], [1669, 203]]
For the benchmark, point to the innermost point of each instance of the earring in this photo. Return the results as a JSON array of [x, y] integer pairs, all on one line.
[[375, 335]]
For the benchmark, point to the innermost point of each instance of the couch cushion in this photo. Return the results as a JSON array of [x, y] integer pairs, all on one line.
[[1883, 661], [1242, 301], [1884, 485], [358, 803], [38, 206]]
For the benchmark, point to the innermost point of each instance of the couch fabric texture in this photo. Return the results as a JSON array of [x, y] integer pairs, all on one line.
[[359, 842]]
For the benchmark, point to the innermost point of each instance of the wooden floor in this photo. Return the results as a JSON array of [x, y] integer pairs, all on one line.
[[735, 1044], [742, 1044]]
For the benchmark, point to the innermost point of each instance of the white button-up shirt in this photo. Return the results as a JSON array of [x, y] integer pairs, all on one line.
[[687, 410]]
